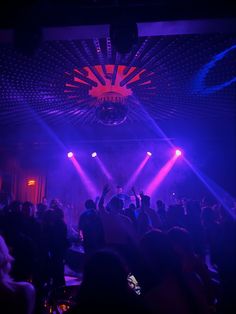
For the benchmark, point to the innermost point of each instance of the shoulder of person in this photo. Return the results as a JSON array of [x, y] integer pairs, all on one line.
[[83, 215], [24, 287]]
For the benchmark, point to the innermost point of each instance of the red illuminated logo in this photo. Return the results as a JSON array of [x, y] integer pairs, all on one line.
[[108, 79]]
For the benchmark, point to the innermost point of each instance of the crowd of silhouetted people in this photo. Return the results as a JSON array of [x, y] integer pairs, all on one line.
[[179, 259], [37, 241]]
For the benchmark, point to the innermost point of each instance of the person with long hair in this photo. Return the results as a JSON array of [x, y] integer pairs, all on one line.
[[105, 287], [15, 297]]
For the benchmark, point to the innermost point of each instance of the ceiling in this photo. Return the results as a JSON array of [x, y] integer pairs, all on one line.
[[74, 12], [174, 73]]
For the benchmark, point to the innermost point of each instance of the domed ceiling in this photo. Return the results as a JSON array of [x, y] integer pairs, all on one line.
[[86, 82]]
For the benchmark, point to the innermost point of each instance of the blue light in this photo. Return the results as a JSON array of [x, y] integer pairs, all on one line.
[[199, 82]]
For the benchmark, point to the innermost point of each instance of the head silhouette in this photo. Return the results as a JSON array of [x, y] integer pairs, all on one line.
[[115, 205], [27, 209], [90, 204], [119, 189], [181, 240], [104, 275], [145, 201], [159, 253], [132, 206]]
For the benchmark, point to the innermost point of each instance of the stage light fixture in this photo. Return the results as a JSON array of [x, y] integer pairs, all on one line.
[[149, 153], [178, 152], [70, 155], [94, 154]]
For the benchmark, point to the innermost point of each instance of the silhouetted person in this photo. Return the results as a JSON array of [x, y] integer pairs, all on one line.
[[105, 287], [90, 225], [15, 297], [168, 291], [122, 196], [145, 203], [22, 245], [147, 218], [212, 232], [118, 229], [194, 226], [59, 245], [221, 238], [41, 209], [56, 241], [130, 212], [194, 269], [161, 212]]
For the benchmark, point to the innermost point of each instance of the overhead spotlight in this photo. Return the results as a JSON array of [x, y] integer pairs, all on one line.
[[178, 152], [70, 155], [149, 153], [94, 154]]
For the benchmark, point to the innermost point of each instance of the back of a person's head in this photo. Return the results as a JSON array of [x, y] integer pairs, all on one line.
[[181, 239], [15, 207], [58, 214], [41, 209], [5, 263], [132, 206], [158, 249], [145, 201], [105, 272], [54, 204], [90, 204], [115, 204], [27, 209]]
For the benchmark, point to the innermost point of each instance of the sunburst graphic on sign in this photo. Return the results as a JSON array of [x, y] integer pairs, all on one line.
[[108, 89]]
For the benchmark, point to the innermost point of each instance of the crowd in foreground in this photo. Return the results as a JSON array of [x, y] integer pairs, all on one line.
[[179, 259]]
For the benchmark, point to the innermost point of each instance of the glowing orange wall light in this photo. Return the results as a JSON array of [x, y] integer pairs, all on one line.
[[31, 182]]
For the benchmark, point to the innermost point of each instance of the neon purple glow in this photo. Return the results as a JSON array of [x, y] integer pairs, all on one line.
[[133, 178], [178, 152], [149, 153], [103, 168], [93, 192], [70, 155], [94, 154], [158, 179]]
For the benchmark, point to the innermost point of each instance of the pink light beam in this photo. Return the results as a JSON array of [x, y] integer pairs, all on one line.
[[158, 179], [90, 187], [103, 168], [135, 175]]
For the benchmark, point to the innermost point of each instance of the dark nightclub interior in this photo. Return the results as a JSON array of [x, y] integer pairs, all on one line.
[[117, 157]]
